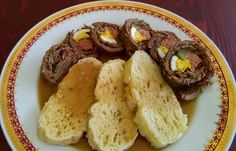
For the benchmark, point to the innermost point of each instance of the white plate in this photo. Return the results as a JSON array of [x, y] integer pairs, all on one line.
[[212, 127]]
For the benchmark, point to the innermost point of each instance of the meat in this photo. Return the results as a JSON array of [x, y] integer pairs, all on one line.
[[81, 43], [188, 93], [145, 33], [160, 43], [57, 61], [188, 83], [194, 59], [135, 35], [106, 37], [85, 44], [59, 58]]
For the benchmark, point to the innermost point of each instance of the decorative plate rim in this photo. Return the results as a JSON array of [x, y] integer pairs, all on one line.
[[10, 69]]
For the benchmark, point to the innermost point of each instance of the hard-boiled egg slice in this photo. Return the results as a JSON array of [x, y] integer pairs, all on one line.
[[182, 65], [81, 34], [136, 35], [179, 64], [162, 51], [107, 37]]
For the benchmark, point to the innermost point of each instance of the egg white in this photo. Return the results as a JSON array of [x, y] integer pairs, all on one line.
[[112, 41], [173, 63], [133, 31]]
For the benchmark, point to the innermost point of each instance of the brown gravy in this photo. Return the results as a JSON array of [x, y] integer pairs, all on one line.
[[141, 144], [82, 79], [45, 90]]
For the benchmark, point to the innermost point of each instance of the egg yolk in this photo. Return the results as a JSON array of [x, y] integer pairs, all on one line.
[[81, 34], [182, 65], [107, 34], [138, 37], [164, 49]]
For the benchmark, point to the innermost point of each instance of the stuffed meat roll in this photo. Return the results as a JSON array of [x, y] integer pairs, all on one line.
[[187, 68], [160, 43], [106, 37], [135, 35], [81, 42], [57, 61]]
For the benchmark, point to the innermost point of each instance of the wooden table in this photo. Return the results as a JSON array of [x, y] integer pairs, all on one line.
[[214, 17]]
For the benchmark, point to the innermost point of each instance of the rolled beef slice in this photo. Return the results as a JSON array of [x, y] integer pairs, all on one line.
[[81, 42], [188, 83], [106, 36], [135, 35], [161, 43], [56, 62]]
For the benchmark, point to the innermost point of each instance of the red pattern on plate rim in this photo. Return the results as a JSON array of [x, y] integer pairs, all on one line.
[[224, 107]]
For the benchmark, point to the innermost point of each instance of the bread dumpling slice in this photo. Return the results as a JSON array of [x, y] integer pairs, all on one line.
[[159, 116], [65, 116], [142, 79], [110, 85], [111, 126], [161, 123]]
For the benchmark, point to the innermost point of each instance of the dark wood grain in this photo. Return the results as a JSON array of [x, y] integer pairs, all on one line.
[[214, 17]]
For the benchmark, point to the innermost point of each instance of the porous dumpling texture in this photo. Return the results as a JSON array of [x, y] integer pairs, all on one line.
[[111, 126], [159, 116]]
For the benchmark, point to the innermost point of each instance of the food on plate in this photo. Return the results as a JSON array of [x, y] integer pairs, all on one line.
[[110, 83], [160, 43], [56, 62], [64, 118], [187, 68], [131, 96], [159, 116], [106, 36], [81, 42], [111, 125], [135, 35]]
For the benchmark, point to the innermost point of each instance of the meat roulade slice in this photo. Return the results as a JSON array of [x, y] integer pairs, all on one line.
[[57, 61], [160, 43], [81, 42], [135, 35], [187, 68], [106, 36]]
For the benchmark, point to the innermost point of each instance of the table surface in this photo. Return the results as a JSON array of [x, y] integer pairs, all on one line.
[[216, 18]]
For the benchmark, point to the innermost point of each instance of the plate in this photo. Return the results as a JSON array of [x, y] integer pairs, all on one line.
[[212, 123]]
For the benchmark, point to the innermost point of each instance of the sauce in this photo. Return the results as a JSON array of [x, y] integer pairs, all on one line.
[[189, 108], [141, 144], [45, 90], [77, 87], [82, 145]]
